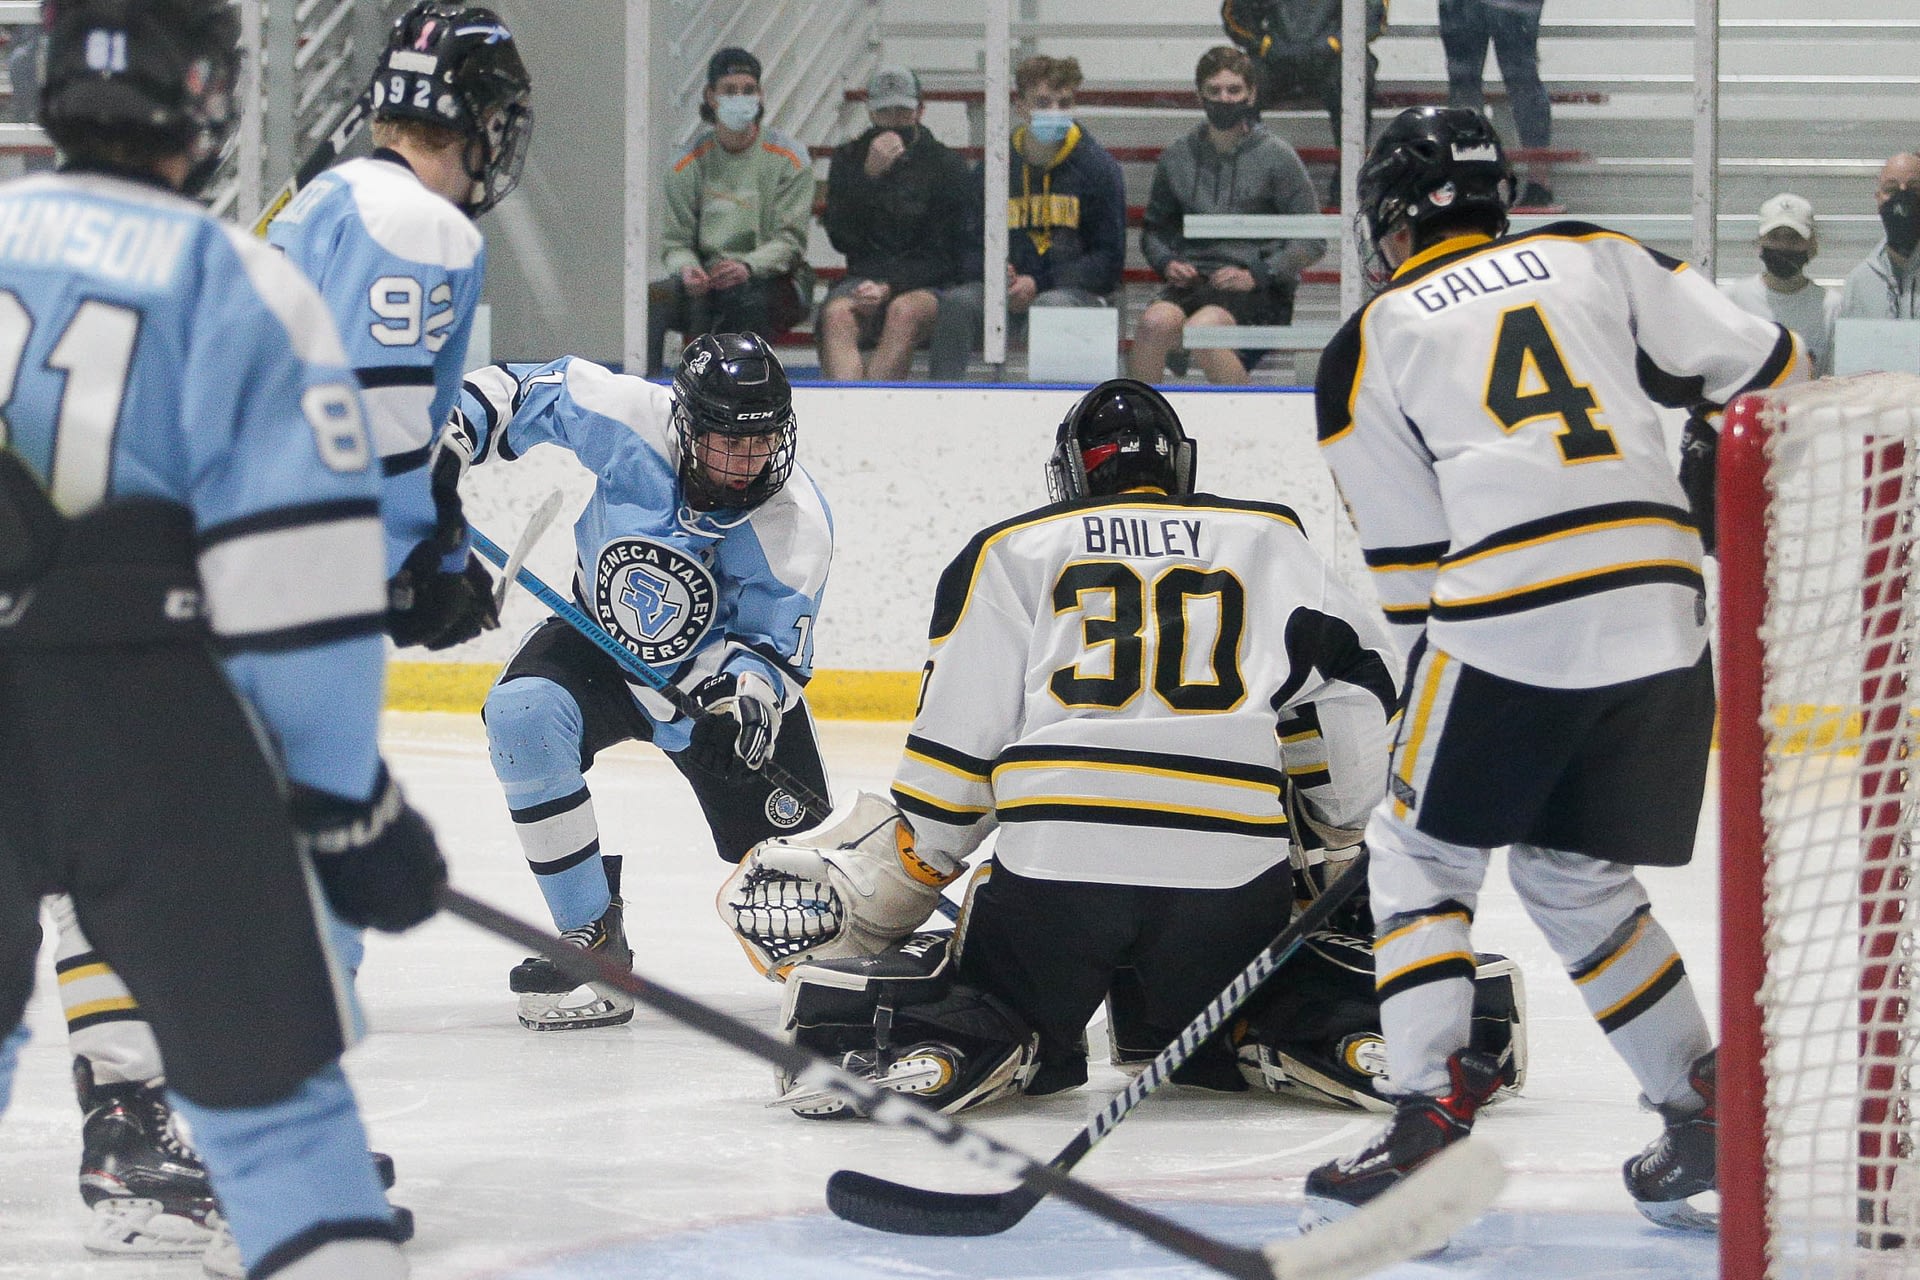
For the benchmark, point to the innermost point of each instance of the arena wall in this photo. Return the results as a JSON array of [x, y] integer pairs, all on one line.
[[911, 473]]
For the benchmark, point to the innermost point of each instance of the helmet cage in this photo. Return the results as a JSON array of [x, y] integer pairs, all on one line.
[[732, 385], [1091, 457]]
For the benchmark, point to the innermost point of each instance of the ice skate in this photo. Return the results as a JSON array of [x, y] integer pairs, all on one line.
[[1421, 1128], [147, 1189], [552, 1001], [1679, 1164]]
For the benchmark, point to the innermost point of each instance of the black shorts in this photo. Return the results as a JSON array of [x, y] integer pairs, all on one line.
[[1615, 772], [739, 814], [135, 782], [1051, 948], [1254, 306]]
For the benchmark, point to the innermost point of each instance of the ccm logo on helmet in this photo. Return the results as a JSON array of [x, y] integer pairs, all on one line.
[[755, 417]]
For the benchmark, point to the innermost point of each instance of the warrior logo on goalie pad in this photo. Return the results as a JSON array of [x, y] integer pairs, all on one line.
[[655, 600]]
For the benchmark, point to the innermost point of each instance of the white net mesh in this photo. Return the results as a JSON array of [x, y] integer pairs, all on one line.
[[1843, 1194]]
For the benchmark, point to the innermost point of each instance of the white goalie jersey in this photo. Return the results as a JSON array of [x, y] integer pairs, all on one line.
[[1490, 418], [1123, 685]]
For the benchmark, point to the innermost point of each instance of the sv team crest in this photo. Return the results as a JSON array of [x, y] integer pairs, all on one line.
[[652, 598]]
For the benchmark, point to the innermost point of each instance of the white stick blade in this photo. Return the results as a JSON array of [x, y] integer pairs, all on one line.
[[536, 525], [1420, 1215]]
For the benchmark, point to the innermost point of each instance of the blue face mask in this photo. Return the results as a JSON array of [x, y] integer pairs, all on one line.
[[736, 111], [1050, 126]]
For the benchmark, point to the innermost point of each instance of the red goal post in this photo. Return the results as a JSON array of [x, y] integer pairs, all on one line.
[[1818, 506]]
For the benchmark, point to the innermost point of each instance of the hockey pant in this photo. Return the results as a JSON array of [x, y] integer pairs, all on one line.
[[559, 703], [1594, 914]]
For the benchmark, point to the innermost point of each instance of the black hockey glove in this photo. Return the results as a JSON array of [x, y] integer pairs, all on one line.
[[1699, 449], [429, 606], [377, 859], [1354, 917], [741, 719]]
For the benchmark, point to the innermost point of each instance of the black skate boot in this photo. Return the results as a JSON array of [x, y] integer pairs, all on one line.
[[552, 1001], [147, 1189], [1421, 1128], [1680, 1162]]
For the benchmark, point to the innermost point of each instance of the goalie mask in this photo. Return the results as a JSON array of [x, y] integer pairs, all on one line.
[[126, 77], [1122, 435], [733, 422], [1430, 164], [459, 68], [899, 1020]]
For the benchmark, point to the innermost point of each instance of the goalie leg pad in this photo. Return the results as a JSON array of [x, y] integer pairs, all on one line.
[[1315, 1030], [899, 1019]]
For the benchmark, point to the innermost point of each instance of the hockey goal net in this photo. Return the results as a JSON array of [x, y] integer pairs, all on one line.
[[1819, 489]]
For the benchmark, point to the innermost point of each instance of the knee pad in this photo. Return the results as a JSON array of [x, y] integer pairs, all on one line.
[[899, 1019], [1315, 1029], [534, 731]]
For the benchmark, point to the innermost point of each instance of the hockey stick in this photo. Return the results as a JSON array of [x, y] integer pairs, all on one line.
[[1416, 1217], [570, 614], [893, 1206], [536, 525], [318, 160]]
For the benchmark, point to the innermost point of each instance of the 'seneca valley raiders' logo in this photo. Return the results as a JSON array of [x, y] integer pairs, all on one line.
[[654, 599]]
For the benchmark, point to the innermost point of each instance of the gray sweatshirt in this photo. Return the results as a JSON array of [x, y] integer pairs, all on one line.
[[1261, 175]]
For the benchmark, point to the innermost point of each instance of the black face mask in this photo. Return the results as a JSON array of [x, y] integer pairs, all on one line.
[[1785, 264], [1228, 115], [1900, 215]]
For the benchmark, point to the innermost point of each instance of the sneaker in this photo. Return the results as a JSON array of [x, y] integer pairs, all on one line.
[[1421, 1128], [552, 1001], [1679, 1164], [147, 1189]]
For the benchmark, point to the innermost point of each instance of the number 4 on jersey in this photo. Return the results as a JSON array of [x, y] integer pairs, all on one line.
[[1529, 381]]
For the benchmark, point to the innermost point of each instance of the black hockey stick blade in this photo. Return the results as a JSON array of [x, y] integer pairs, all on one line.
[[1420, 1207], [903, 1209]]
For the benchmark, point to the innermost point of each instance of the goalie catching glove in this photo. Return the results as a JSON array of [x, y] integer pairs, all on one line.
[[377, 859], [852, 889], [736, 734]]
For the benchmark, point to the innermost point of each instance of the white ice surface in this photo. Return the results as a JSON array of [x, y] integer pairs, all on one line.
[[647, 1150]]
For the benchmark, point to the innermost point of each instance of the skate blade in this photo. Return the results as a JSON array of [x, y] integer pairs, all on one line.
[[1681, 1215], [909, 1075], [143, 1228], [578, 1010]]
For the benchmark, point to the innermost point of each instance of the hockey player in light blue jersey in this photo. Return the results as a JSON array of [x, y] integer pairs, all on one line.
[[390, 242], [191, 594], [704, 550]]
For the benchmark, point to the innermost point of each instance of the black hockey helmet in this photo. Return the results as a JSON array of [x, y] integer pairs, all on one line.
[[133, 78], [1121, 434], [1433, 163], [457, 66], [731, 384]]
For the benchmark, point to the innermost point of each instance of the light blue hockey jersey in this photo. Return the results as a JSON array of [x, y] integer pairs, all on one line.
[[691, 594], [148, 350], [401, 270]]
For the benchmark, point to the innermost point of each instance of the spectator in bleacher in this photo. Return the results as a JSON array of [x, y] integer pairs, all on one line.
[[734, 226], [1882, 287], [1066, 216], [1512, 27], [1296, 45], [895, 209], [1781, 292], [1228, 164]]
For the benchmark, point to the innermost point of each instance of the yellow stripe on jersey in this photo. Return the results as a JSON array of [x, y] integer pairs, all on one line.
[[1548, 583], [1598, 527], [1602, 1015], [1405, 929], [944, 766], [113, 1004], [1149, 806], [1450, 957], [1416, 736], [1157, 771], [1639, 930], [85, 971], [964, 812]]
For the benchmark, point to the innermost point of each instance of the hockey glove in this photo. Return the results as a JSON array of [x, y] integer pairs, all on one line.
[[429, 606], [377, 859], [1699, 450], [736, 733]]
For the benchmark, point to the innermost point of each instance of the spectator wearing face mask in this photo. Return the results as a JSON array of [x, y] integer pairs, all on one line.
[[1229, 163], [1066, 215], [892, 209], [1882, 287], [734, 226], [1781, 290]]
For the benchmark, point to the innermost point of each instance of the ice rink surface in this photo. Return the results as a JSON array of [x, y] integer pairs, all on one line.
[[648, 1151]]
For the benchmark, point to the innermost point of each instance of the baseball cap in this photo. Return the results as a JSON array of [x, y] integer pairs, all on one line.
[[892, 87], [731, 61], [1788, 212]]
